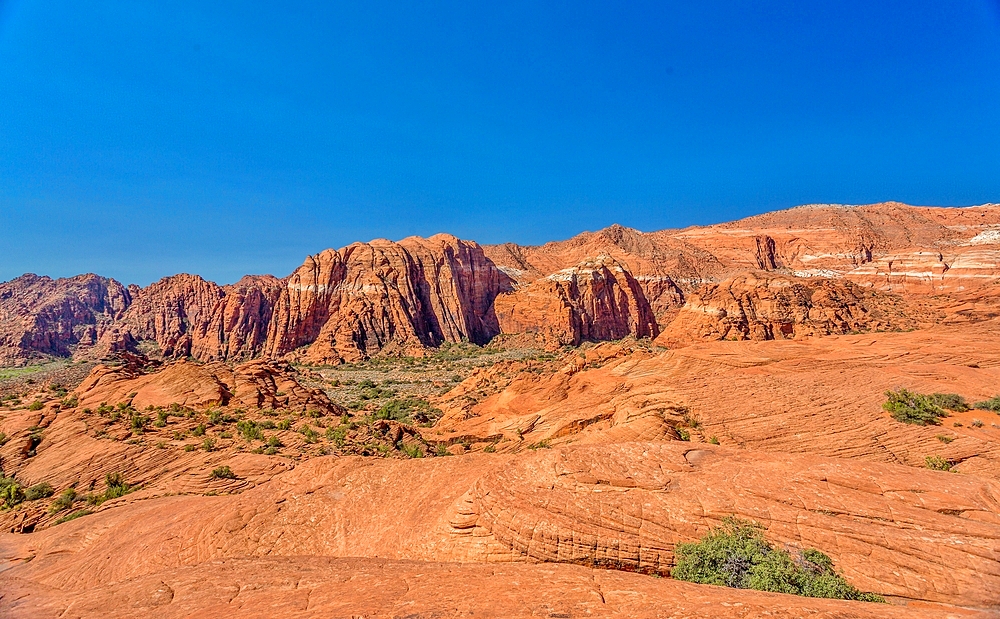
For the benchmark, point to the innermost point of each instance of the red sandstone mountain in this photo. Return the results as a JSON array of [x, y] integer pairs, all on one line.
[[40, 316], [400, 297]]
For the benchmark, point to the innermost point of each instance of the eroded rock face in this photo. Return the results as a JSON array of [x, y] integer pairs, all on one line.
[[346, 304], [399, 297], [255, 384], [45, 316], [619, 506], [185, 315], [765, 306], [596, 300]]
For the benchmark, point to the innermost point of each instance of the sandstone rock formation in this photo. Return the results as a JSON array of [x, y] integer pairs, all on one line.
[[400, 297], [596, 300], [767, 306], [818, 395], [268, 587], [255, 384], [419, 292], [42, 316], [622, 506], [185, 315]]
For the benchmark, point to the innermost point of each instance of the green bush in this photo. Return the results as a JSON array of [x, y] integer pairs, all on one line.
[[139, 423], [409, 410], [993, 404], [223, 472], [309, 434], [413, 451], [915, 408], [249, 430], [950, 401], [338, 435], [116, 486], [738, 555], [11, 492], [937, 463], [199, 430], [35, 406], [38, 491], [64, 501], [74, 515]]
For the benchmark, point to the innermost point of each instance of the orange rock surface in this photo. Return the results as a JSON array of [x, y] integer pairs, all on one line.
[[597, 300], [903, 532]]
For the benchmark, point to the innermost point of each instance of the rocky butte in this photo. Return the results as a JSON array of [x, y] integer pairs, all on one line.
[[432, 427]]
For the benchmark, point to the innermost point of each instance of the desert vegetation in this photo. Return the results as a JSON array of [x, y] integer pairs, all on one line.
[[736, 554]]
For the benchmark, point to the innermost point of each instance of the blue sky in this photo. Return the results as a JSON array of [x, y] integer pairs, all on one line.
[[141, 139]]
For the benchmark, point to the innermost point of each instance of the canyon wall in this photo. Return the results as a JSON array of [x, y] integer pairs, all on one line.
[[810, 270]]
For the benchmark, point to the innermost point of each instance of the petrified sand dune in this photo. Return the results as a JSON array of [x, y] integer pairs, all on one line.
[[820, 395], [301, 587], [915, 534], [255, 384]]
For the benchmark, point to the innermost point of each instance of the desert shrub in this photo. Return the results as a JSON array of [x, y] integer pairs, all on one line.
[[441, 450], [714, 440], [116, 486], [74, 515], [285, 424], [190, 447], [11, 492], [543, 444], [64, 501], [249, 430], [413, 451], [993, 404], [208, 444], [3, 439], [738, 555], [976, 423], [70, 402], [267, 424], [35, 406], [161, 419], [38, 491], [409, 410], [684, 434], [223, 472], [274, 442], [337, 434], [915, 408], [199, 430], [937, 463], [139, 423], [309, 434], [950, 401], [944, 438]]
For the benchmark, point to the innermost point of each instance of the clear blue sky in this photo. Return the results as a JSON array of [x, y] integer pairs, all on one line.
[[141, 139]]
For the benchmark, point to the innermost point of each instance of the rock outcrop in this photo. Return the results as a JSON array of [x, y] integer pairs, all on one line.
[[347, 304], [617, 506], [42, 316], [766, 306], [187, 316], [596, 300], [255, 385], [366, 298]]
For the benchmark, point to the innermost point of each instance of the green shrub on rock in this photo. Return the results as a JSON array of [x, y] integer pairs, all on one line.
[[738, 555], [910, 407]]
